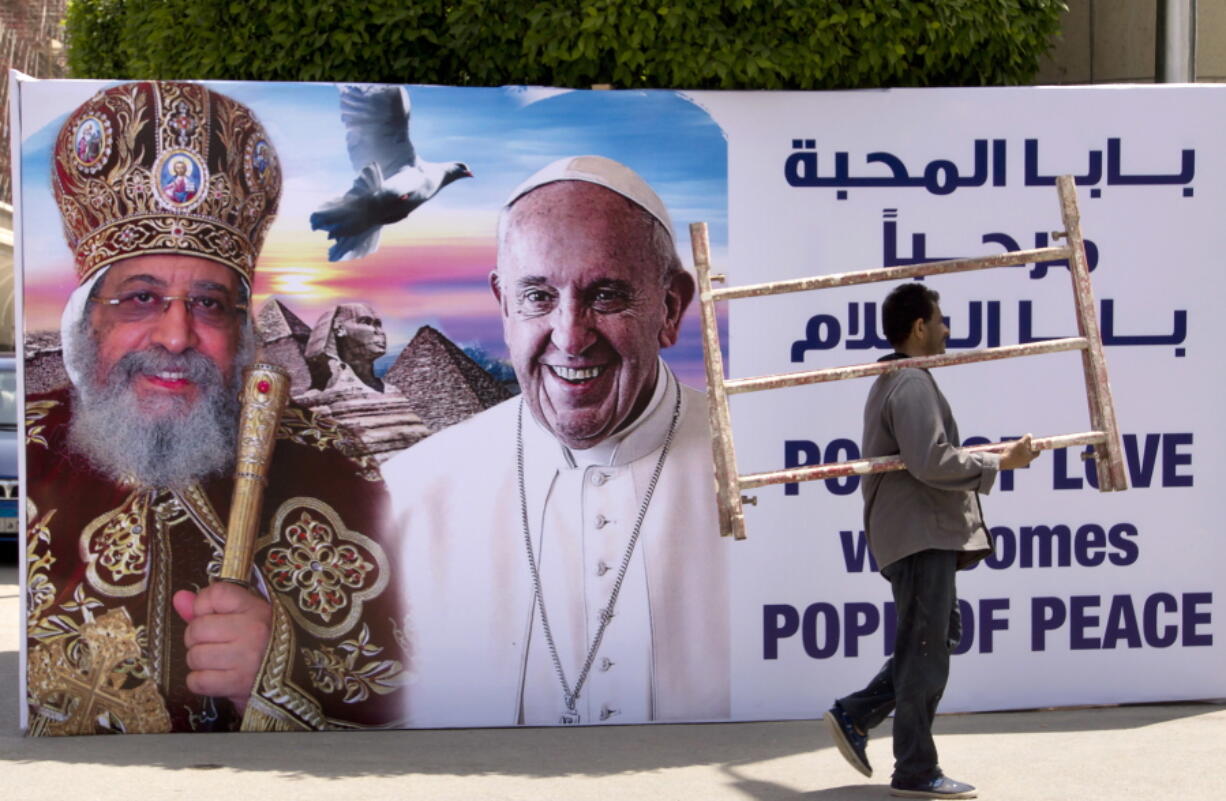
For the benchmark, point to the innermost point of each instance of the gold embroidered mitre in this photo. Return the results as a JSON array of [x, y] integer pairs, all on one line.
[[165, 167]]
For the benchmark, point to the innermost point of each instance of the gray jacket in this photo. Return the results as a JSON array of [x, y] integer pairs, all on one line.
[[933, 503]]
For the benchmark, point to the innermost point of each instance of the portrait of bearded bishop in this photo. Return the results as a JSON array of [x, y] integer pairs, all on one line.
[[130, 468]]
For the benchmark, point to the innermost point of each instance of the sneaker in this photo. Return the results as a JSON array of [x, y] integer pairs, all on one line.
[[850, 742], [940, 787]]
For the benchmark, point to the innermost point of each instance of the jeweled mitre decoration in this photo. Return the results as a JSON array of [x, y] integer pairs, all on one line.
[[165, 167]]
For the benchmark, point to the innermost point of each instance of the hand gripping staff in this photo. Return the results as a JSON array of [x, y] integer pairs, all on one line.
[[68, 701], [263, 397]]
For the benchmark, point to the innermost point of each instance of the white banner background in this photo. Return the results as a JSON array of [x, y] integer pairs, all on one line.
[[1160, 246]]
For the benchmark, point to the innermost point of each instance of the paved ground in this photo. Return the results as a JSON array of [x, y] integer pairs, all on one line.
[[1152, 752]]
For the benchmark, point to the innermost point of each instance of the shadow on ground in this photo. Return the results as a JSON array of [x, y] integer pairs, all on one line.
[[761, 790], [576, 752], [533, 753]]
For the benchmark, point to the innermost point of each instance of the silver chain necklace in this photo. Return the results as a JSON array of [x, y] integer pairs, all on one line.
[[571, 715]]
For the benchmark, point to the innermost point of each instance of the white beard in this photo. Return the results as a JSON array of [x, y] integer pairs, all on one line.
[[175, 443]]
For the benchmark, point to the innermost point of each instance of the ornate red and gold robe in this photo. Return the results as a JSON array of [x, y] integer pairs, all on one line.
[[105, 646]]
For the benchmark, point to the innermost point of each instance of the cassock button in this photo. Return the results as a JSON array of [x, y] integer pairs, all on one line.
[[601, 568], [599, 478], [607, 712], [605, 664], [602, 521]]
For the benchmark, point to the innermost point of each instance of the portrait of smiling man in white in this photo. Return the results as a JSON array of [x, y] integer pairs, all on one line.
[[561, 557]]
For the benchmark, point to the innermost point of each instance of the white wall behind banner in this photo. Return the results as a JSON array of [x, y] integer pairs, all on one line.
[[1090, 597]]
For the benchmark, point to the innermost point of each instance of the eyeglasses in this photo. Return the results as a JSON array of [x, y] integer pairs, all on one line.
[[144, 304]]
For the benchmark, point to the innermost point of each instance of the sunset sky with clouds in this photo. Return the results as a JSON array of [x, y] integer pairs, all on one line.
[[431, 268]]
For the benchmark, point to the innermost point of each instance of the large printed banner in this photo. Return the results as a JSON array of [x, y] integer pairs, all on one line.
[[490, 501]]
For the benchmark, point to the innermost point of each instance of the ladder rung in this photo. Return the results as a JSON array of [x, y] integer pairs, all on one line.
[[886, 464], [735, 385], [1009, 259]]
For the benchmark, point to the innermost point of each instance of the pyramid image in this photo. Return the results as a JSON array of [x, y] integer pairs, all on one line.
[[44, 362], [444, 386], [283, 337]]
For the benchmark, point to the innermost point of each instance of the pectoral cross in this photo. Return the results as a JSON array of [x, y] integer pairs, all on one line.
[[570, 717], [74, 697]]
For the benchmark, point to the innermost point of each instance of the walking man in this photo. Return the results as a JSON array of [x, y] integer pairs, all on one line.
[[923, 525]]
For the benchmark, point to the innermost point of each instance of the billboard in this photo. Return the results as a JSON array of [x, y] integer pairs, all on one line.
[[490, 504]]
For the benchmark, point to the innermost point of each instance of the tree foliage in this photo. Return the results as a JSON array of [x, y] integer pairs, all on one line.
[[697, 44]]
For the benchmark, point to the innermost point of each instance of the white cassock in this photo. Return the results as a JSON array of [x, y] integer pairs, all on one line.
[[476, 643]]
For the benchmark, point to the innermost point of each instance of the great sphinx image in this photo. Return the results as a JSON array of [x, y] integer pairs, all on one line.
[[340, 358], [432, 383]]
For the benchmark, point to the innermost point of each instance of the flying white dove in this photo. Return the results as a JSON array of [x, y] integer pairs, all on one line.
[[392, 180]]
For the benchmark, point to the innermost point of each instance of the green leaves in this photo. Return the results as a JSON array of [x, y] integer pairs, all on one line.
[[701, 44]]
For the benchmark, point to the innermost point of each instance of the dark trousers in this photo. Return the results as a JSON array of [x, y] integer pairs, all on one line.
[[912, 680]]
